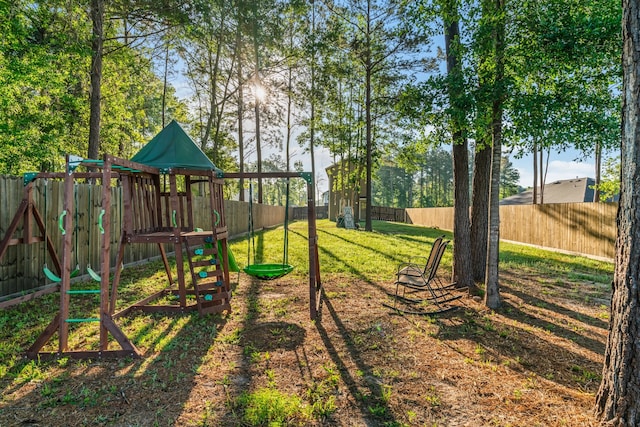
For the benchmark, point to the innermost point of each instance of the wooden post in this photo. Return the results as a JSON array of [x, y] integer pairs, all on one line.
[[27, 224], [65, 285], [175, 206], [314, 264], [106, 253]]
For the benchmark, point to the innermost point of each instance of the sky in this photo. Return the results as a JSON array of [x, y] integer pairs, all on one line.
[[566, 165], [562, 165]]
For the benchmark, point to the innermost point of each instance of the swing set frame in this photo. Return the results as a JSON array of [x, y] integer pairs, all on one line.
[[315, 284]]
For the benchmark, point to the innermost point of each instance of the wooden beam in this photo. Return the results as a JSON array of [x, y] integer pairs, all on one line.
[[55, 287], [235, 175], [8, 237]]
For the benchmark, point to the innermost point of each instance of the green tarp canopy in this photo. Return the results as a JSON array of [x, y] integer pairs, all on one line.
[[173, 148]]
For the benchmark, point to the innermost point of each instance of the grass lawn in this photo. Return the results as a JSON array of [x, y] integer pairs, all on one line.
[[535, 362]]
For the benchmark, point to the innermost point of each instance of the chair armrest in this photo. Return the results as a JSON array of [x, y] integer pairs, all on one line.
[[416, 260], [412, 268]]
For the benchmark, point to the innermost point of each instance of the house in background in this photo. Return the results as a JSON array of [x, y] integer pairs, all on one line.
[[325, 198], [564, 191]]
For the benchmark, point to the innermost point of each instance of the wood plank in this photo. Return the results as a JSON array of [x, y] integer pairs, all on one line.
[[31, 296], [79, 355]]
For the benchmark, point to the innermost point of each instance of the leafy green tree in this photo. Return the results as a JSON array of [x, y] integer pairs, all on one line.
[[509, 177], [380, 41], [42, 113], [431, 172], [336, 97], [609, 187], [209, 52], [563, 59], [38, 130], [392, 186], [481, 50], [96, 12]]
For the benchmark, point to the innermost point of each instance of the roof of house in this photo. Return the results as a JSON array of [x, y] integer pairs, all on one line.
[[565, 191], [173, 148]]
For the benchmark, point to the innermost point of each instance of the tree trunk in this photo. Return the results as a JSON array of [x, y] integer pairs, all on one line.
[[369, 149], [598, 152], [480, 210], [369, 157], [240, 118], [462, 269], [482, 160], [312, 118], [492, 288], [535, 173], [618, 399], [97, 17], [258, 148], [256, 77], [542, 174], [164, 83], [212, 69], [289, 108]]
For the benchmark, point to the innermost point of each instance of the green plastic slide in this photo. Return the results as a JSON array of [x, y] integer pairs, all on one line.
[[233, 266]]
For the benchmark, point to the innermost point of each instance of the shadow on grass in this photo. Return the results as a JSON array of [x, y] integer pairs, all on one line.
[[112, 392], [553, 265], [396, 244], [538, 302], [397, 228], [350, 268], [515, 345], [517, 314], [116, 392], [259, 337], [370, 402]]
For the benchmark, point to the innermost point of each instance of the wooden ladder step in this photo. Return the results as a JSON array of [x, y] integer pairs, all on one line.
[[205, 251], [206, 274], [210, 285], [206, 262]]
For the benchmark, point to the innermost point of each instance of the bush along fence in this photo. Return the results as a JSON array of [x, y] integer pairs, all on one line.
[[22, 265]]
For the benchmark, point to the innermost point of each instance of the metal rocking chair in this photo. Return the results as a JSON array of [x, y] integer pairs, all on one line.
[[419, 290]]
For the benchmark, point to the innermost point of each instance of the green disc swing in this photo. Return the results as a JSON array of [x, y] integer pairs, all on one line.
[[268, 271]]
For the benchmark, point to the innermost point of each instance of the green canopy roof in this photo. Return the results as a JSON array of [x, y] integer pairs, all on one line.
[[173, 148]]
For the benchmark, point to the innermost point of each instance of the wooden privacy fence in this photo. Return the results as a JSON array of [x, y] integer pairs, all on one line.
[[585, 228], [387, 214], [21, 268], [300, 213]]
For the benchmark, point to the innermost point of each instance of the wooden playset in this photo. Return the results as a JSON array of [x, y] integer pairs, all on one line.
[[151, 213]]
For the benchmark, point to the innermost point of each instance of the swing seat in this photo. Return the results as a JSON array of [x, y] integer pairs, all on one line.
[[94, 275], [268, 271], [54, 278], [51, 275]]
